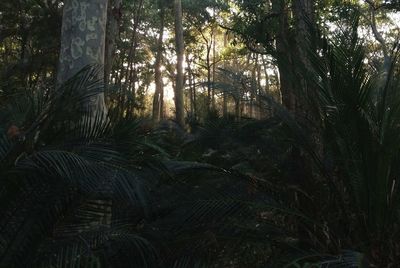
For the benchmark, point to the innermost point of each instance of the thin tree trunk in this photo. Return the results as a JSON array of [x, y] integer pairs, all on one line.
[[237, 110], [194, 95], [113, 19], [225, 98], [266, 89], [208, 63], [130, 75], [179, 103], [265, 65], [253, 85], [162, 106], [191, 86], [213, 62], [259, 90], [157, 72]]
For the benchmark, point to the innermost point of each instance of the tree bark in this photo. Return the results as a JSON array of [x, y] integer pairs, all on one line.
[[194, 95], [157, 66], [130, 76], [83, 42], [259, 89], [253, 91], [179, 112], [303, 12], [191, 85], [378, 36], [283, 55], [113, 19], [209, 89], [225, 97], [237, 109], [214, 39]]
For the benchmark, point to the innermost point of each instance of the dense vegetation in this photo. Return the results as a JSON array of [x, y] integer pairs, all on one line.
[[214, 133]]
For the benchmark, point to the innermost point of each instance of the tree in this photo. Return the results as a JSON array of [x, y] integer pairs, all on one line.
[[83, 35], [29, 43], [157, 100], [179, 44], [113, 19]]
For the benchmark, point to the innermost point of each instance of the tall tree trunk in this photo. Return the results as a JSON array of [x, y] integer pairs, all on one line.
[[268, 109], [225, 97], [191, 85], [237, 109], [259, 90], [113, 19], [214, 33], [304, 24], [130, 76], [253, 91], [82, 44], [157, 66], [83, 41], [283, 55], [209, 89], [179, 112], [194, 95], [162, 106]]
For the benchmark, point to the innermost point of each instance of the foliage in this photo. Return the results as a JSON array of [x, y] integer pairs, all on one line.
[[327, 198], [310, 185], [354, 154], [74, 185]]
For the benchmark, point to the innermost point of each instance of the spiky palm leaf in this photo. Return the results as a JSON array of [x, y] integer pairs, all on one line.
[[67, 179], [357, 115]]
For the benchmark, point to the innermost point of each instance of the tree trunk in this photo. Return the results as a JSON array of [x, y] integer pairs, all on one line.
[[194, 95], [208, 63], [162, 106], [284, 56], [268, 109], [214, 39], [191, 85], [157, 72], [303, 12], [113, 19], [253, 91], [179, 112], [83, 42], [130, 76], [237, 110], [225, 97]]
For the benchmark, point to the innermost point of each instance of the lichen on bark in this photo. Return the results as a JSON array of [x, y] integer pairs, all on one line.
[[77, 45], [83, 36]]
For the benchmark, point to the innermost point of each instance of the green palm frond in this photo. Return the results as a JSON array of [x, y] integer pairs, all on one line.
[[69, 176]]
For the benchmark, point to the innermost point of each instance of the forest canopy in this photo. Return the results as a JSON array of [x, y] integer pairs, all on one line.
[[188, 133]]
